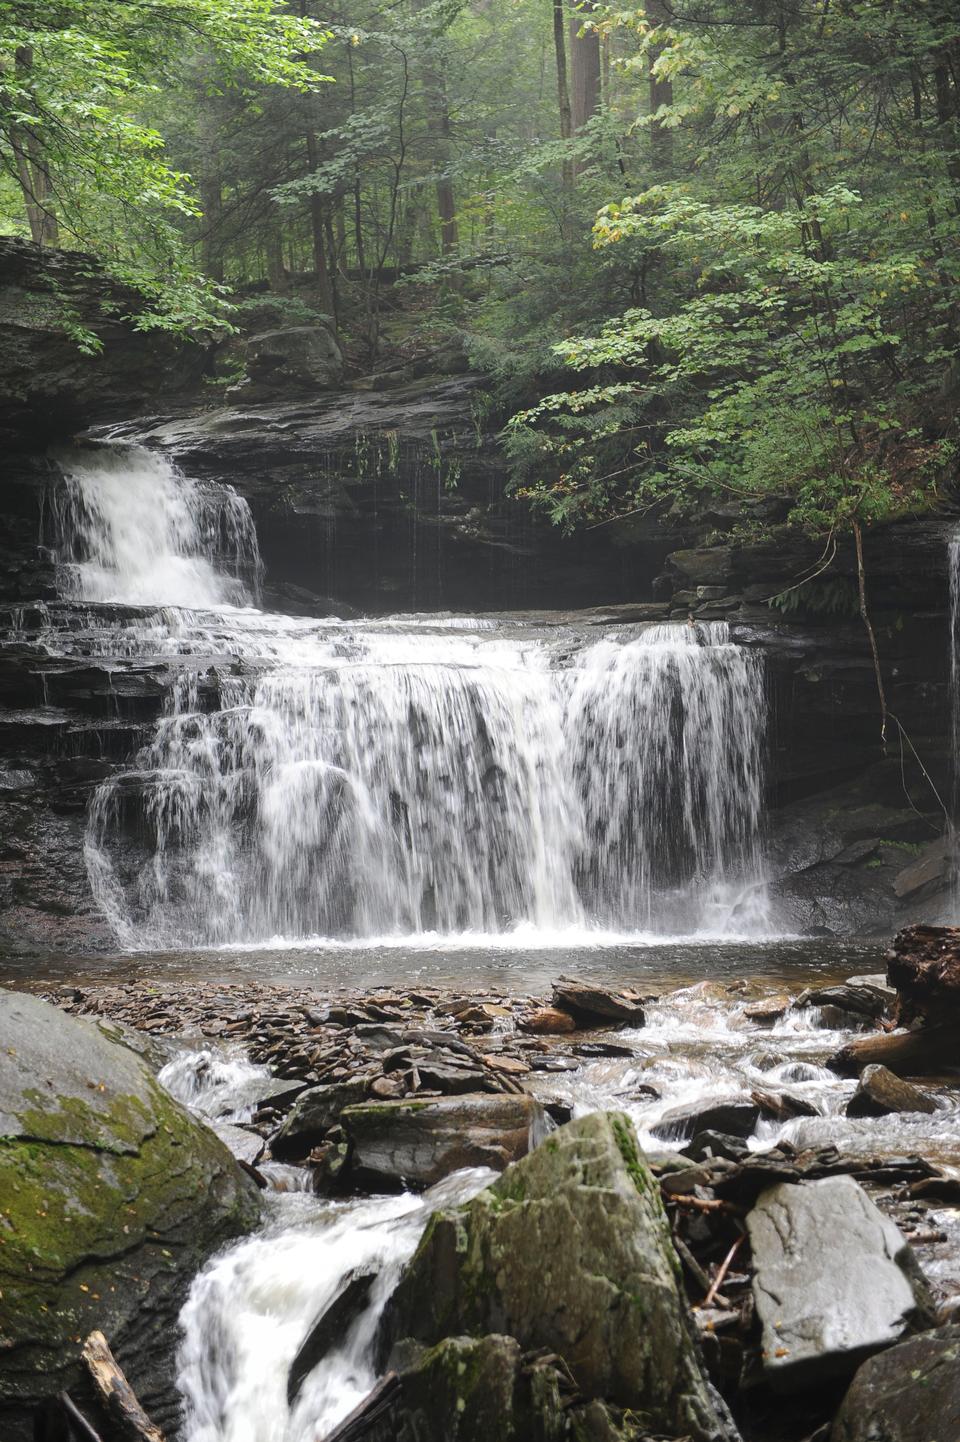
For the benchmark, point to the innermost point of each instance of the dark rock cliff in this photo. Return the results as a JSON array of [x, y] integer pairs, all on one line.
[[49, 385]]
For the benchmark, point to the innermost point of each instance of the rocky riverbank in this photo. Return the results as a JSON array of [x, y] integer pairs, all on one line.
[[810, 1221]]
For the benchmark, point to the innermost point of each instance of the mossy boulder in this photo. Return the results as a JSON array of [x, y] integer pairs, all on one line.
[[570, 1251], [111, 1196], [484, 1389]]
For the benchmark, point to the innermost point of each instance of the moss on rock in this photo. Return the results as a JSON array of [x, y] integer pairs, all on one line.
[[111, 1195], [570, 1251]]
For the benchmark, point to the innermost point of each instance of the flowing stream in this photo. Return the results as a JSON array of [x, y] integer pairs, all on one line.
[[404, 777]]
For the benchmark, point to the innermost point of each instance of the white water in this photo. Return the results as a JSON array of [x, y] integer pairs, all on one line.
[[133, 530], [400, 778], [249, 1312]]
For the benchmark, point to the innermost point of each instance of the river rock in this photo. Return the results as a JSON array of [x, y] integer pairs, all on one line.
[[834, 1280], [860, 1000], [315, 1111], [924, 966], [591, 1004], [416, 1143], [910, 1393], [112, 1197], [547, 1021], [880, 1092], [569, 1251], [734, 1116]]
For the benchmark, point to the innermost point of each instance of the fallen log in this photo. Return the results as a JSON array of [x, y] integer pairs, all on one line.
[[921, 1052], [117, 1395]]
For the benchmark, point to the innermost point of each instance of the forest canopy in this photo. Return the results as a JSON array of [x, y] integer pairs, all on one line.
[[706, 252]]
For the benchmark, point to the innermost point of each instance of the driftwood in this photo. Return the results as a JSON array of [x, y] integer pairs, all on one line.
[[375, 1408], [117, 1395]]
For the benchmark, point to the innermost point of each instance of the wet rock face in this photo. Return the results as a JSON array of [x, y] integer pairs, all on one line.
[[48, 386], [119, 1191], [834, 1280], [569, 1251], [910, 1393]]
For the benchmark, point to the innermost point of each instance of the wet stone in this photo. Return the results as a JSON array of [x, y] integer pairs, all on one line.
[[834, 1280], [590, 1003], [910, 1393], [734, 1116], [880, 1093]]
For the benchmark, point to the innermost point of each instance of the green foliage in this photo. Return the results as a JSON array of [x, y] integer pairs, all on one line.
[[800, 336], [77, 75]]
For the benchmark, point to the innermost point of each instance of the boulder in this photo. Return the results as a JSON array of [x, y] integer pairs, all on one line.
[[294, 360], [592, 1005], [859, 1000], [416, 1143], [834, 1280], [570, 1252], [924, 966], [880, 1092], [735, 1116], [113, 1195], [910, 1393], [315, 1111]]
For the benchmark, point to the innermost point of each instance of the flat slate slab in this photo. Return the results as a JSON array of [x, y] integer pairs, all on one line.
[[834, 1280]]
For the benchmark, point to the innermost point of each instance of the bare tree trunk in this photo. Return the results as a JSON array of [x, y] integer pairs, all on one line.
[[276, 270], [211, 198], [32, 171], [585, 72], [563, 88], [438, 109], [660, 93], [318, 232]]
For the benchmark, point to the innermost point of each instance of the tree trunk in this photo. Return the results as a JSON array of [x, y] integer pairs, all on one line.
[[585, 72], [318, 233], [660, 93], [563, 88], [32, 171], [211, 196], [438, 109]]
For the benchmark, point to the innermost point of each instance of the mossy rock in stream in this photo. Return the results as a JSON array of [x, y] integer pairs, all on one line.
[[484, 1389], [111, 1196], [569, 1251]]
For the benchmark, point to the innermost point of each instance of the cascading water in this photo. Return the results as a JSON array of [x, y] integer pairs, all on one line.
[[406, 777], [131, 529]]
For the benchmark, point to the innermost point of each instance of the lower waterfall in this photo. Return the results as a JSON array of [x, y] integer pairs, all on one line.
[[402, 777]]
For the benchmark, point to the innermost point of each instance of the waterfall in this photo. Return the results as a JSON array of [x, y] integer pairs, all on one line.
[[129, 528], [403, 778]]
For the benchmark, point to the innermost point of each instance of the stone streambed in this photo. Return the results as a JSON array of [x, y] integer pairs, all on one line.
[[363, 1112]]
